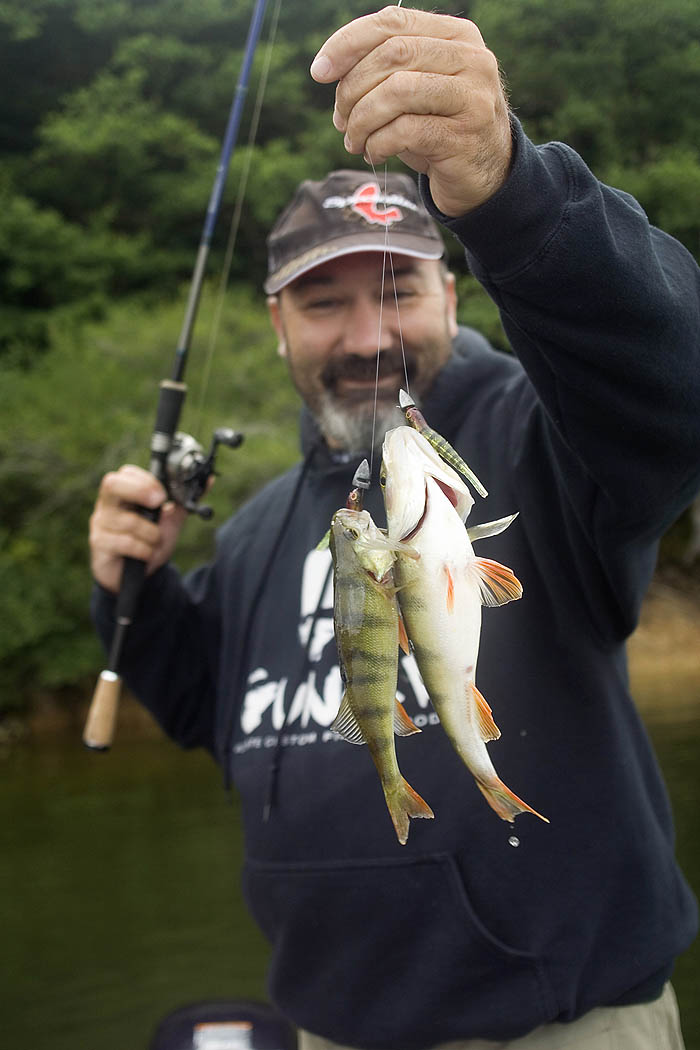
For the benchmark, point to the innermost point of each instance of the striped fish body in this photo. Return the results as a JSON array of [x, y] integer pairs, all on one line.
[[441, 595], [366, 624]]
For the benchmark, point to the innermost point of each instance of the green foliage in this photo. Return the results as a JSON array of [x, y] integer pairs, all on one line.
[[618, 80], [47, 261], [668, 189], [86, 407], [475, 308]]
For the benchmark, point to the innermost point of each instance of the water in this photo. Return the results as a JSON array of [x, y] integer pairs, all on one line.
[[120, 900], [119, 888]]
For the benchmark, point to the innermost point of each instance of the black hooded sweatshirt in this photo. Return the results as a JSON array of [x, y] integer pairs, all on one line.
[[591, 433]]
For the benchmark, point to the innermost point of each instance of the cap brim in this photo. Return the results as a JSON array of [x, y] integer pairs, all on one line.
[[415, 247]]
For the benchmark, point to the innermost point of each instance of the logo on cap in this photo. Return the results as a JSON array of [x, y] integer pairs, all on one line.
[[365, 200]]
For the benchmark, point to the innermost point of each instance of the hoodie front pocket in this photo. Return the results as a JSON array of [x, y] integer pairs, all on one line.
[[390, 954]]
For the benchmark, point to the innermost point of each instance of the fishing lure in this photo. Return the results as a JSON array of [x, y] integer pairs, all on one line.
[[416, 419]]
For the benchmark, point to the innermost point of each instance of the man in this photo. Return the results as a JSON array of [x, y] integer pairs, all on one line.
[[565, 934]]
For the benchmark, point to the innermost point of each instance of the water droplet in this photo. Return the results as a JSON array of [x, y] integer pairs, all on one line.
[[514, 840], [523, 732]]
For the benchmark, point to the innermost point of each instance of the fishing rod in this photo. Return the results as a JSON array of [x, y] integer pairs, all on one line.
[[177, 460]]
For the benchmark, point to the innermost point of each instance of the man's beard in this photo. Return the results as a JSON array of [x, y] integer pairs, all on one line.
[[359, 425], [349, 421], [355, 428]]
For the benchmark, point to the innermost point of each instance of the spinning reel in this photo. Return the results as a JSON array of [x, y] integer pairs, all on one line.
[[188, 469]]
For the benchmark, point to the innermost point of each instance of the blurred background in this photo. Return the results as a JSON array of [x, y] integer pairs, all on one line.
[[119, 874]]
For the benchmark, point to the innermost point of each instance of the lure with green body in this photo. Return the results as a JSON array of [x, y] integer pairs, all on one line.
[[416, 419], [367, 631]]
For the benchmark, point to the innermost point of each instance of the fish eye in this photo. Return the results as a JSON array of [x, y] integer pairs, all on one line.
[[351, 534]]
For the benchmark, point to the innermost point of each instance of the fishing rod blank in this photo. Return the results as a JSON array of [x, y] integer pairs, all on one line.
[[176, 460]]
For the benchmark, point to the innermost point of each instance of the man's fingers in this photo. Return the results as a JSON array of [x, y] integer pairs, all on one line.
[[132, 485], [375, 112], [348, 45], [393, 58]]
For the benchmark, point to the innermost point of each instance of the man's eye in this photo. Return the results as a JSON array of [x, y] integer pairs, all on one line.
[[322, 304]]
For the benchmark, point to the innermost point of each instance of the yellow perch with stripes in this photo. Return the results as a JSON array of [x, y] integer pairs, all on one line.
[[441, 594], [367, 631]]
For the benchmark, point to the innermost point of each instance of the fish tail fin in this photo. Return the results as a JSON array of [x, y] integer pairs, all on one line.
[[403, 802], [504, 802]]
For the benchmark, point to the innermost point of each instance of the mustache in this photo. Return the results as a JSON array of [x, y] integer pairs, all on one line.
[[364, 369]]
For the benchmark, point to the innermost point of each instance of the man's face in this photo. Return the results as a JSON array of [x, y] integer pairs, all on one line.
[[328, 325]]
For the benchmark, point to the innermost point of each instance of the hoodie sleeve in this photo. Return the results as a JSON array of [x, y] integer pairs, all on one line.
[[169, 652], [603, 311]]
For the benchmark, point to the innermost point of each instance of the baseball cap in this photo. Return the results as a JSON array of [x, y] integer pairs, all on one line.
[[349, 212]]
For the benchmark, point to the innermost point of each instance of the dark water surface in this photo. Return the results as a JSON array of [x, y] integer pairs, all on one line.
[[119, 889]]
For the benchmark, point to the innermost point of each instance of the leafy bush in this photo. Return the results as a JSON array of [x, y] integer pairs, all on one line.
[[86, 407]]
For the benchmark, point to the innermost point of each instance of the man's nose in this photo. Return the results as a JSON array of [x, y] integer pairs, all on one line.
[[370, 327]]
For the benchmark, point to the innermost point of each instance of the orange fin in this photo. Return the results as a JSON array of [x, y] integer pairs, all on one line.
[[488, 730], [450, 600], [403, 725], [403, 802], [403, 637], [501, 799], [497, 583]]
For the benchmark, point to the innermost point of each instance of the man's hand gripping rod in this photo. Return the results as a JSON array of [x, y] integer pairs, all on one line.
[[177, 460]]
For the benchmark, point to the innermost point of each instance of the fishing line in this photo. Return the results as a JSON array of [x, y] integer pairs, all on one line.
[[387, 252], [398, 320], [237, 212]]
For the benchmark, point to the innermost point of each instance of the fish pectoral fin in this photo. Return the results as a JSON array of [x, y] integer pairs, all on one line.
[[497, 583], [346, 725], [450, 595], [324, 543], [403, 724], [488, 730], [403, 637], [407, 550], [490, 528]]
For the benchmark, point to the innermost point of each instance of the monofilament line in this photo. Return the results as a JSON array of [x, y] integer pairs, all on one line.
[[386, 253]]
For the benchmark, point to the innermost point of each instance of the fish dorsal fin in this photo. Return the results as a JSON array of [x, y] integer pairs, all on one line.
[[403, 637], [488, 730], [497, 583], [403, 725], [346, 725], [490, 528]]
